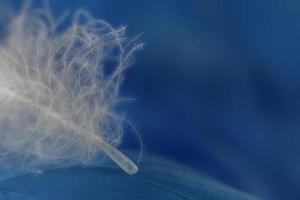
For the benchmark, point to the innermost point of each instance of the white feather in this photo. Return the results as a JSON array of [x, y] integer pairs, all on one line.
[[58, 90]]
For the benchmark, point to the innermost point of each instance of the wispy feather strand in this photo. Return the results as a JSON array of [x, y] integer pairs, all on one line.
[[58, 90]]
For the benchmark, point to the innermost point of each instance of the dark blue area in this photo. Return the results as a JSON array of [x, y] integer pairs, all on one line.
[[217, 86]]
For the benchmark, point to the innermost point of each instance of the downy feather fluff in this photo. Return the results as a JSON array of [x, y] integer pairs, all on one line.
[[58, 90]]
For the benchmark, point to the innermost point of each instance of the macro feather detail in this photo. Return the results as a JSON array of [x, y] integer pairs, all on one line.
[[58, 90]]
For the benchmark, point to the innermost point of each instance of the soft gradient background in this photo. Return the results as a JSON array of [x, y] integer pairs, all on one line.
[[217, 86]]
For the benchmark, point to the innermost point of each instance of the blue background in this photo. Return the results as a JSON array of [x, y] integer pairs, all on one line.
[[217, 86]]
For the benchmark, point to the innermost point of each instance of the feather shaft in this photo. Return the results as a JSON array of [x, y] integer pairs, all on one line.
[[118, 157]]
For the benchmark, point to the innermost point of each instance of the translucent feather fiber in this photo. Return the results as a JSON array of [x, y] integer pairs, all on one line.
[[58, 90]]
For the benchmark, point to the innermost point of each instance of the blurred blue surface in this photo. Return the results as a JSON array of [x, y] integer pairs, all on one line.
[[217, 86], [158, 179]]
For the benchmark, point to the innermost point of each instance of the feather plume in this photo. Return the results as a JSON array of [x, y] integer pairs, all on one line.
[[58, 90]]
